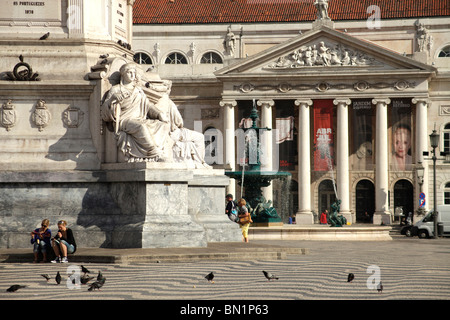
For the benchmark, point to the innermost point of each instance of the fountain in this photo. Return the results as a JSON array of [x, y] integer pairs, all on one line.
[[253, 179]]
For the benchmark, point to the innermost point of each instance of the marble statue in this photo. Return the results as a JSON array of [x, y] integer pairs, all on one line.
[[230, 42], [322, 9], [147, 131], [424, 39]]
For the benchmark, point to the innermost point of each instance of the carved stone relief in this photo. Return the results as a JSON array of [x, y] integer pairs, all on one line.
[[322, 54], [8, 115], [73, 117], [41, 116], [325, 86], [210, 113], [22, 72], [444, 110]]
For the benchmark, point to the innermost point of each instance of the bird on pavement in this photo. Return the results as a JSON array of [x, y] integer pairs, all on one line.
[[380, 287], [84, 270], [100, 276], [95, 285], [58, 278], [350, 277], [15, 287], [269, 276], [210, 277], [45, 36], [46, 276], [85, 279]]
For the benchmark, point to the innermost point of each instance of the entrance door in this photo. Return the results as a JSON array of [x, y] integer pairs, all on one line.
[[326, 195], [404, 198], [365, 201]]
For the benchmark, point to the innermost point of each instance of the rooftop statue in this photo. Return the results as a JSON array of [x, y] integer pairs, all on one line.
[[322, 9]]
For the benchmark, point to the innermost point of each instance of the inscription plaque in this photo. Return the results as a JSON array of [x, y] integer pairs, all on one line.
[[30, 11]]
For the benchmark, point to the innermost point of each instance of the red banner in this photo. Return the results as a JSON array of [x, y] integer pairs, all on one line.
[[323, 135]]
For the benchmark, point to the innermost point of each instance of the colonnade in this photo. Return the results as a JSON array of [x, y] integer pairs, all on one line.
[[304, 215]]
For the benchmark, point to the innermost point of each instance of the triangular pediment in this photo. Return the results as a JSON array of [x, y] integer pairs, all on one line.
[[325, 51]]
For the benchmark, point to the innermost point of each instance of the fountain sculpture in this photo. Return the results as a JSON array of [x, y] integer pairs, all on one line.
[[253, 178]]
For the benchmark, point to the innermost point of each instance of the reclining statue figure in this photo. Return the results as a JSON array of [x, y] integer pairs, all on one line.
[[146, 131]]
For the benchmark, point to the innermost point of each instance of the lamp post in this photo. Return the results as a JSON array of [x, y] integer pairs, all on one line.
[[434, 142]]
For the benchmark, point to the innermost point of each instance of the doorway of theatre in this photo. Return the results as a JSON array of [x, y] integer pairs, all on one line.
[[327, 196], [365, 201], [403, 200]]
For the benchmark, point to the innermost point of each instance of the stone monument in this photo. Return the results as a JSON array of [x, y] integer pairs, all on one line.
[[89, 137]]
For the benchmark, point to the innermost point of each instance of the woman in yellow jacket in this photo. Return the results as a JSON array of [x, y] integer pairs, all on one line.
[[244, 219]]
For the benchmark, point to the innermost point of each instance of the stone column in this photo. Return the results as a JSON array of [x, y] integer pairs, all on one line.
[[304, 215], [230, 154], [266, 142], [342, 157], [421, 146], [382, 213]]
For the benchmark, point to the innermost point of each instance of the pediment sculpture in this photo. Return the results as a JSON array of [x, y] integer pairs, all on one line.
[[148, 131], [322, 55]]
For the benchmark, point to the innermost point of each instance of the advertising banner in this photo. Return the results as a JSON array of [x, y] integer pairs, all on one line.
[[323, 135], [401, 134]]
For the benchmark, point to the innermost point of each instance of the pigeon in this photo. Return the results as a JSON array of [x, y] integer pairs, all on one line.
[[269, 276], [21, 58], [96, 285], [350, 277], [103, 56], [58, 278], [45, 36], [84, 270], [85, 279], [46, 276], [210, 277], [100, 276], [15, 287], [380, 287]]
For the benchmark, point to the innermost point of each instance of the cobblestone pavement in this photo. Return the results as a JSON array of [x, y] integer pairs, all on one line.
[[409, 268]]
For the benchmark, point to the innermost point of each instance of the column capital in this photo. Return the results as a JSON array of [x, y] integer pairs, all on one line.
[[228, 103], [385, 101], [421, 100], [345, 101], [266, 102], [307, 102]]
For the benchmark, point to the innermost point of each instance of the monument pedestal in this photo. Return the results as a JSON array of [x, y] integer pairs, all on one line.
[[122, 205]]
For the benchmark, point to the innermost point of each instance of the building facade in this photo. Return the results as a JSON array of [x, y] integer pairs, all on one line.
[[353, 96]]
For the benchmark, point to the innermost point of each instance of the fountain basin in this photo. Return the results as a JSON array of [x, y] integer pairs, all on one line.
[[263, 214]]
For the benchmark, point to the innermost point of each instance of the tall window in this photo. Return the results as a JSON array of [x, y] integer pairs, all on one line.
[[447, 193], [445, 52], [211, 57], [446, 138], [176, 58], [142, 58]]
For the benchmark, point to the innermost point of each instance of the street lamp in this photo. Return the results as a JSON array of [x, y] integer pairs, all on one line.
[[434, 142]]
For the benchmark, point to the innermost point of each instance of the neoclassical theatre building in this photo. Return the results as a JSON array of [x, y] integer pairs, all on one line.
[[353, 88]]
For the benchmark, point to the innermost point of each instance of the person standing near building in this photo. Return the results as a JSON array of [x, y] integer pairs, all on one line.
[[323, 217], [244, 219], [231, 208]]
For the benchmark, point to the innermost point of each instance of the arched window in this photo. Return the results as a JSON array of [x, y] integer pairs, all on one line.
[[445, 52], [142, 58], [176, 58], [447, 193], [211, 57], [446, 138]]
